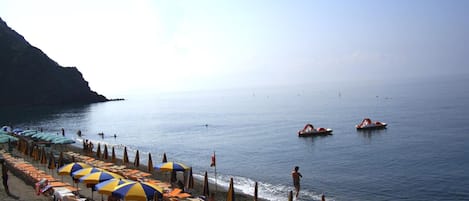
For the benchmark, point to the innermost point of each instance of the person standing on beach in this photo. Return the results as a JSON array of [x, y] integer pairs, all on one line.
[[63, 132], [296, 179]]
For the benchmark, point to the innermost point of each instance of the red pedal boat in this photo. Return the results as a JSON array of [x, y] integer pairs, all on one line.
[[309, 130], [367, 124]]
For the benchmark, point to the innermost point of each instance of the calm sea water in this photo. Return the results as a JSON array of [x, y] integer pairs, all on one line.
[[423, 155]]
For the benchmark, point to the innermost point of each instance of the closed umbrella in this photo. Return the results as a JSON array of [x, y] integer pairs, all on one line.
[[190, 182], [35, 153], [43, 156], [98, 151], [137, 191], [126, 157], [164, 158], [51, 164], [255, 191], [137, 159], [231, 193], [113, 155], [206, 191], [60, 161], [150, 163], [105, 153]]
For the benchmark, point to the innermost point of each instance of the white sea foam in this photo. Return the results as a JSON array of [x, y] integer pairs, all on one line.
[[265, 190]]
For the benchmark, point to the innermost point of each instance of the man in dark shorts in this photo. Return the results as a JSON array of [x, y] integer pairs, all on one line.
[[296, 179]]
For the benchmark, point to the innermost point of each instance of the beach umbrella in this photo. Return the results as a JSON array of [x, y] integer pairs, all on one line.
[[137, 191], [43, 156], [106, 187], [150, 163], [105, 153], [290, 196], [255, 191], [94, 178], [137, 159], [190, 181], [171, 166], [85, 171], [60, 161], [51, 164], [206, 191], [72, 167], [126, 157], [113, 155], [98, 151], [98, 177], [231, 193], [164, 158]]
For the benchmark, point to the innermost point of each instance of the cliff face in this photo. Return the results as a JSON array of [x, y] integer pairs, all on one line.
[[30, 77]]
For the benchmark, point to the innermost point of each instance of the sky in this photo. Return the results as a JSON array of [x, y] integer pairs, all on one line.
[[152, 45]]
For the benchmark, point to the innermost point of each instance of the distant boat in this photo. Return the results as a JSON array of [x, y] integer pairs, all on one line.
[[309, 130], [367, 124]]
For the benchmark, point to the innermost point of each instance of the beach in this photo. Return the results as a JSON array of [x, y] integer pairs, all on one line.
[[23, 189]]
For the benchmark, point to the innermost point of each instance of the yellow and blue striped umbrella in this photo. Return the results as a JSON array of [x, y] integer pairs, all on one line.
[[108, 186], [138, 191], [172, 166], [72, 167], [85, 171], [98, 177]]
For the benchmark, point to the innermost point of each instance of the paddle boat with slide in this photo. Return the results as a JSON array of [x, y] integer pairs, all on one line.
[[367, 124], [309, 130]]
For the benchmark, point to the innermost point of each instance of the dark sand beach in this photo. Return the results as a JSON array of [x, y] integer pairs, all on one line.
[[21, 189]]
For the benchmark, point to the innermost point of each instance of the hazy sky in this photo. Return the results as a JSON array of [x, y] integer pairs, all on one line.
[[122, 45]]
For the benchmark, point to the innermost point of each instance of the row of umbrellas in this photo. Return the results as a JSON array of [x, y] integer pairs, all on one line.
[[105, 155], [109, 183]]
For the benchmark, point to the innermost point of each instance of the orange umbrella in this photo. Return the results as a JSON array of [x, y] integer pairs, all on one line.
[[126, 157], [150, 163], [113, 155], [231, 194], [164, 158], [137, 159], [35, 153], [43, 156]]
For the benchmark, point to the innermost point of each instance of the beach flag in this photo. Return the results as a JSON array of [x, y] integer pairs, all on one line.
[[213, 163]]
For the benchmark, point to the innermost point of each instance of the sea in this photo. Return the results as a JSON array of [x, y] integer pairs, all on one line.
[[422, 155]]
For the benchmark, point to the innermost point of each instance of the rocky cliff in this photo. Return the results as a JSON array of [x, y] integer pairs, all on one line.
[[30, 77]]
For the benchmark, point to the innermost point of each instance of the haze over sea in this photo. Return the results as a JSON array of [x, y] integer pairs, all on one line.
[[422, 155]]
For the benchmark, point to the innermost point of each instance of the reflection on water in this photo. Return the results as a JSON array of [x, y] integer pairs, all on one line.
[[40, 116]]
